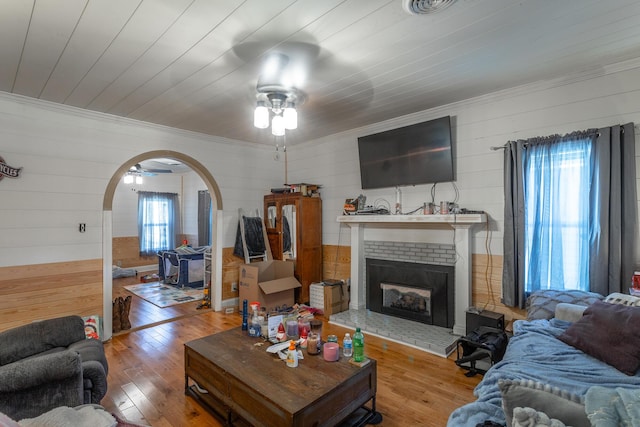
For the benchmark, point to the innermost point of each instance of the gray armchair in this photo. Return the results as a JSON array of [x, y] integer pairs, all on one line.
[[48, 364]]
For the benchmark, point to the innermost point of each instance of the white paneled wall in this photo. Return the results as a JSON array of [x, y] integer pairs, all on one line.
[[553, 107], [125, 201], [69, 155], [191, 184]]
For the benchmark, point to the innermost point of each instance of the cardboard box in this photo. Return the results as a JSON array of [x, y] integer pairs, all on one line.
[[336, 297], [271, 283], [316, 295]]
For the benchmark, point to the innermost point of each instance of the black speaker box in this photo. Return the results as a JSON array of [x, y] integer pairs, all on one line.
[[484, 318]]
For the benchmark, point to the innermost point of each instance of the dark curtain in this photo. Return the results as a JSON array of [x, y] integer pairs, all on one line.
[[204, 218], [613, 240], [613, 215], [513, 270]]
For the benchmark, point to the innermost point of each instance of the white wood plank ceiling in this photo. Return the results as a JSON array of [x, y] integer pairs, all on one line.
[[194, 64]]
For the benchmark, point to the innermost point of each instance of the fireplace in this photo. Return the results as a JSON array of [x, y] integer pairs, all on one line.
[[415, 230], [413, 291]]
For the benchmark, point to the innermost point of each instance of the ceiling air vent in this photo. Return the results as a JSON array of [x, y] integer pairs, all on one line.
[[424, 7]]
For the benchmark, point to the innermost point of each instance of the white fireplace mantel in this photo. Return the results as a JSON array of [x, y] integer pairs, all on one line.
[[423, 225]]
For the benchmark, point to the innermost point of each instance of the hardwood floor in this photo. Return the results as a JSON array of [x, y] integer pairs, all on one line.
[[144, 313], [146, 376]]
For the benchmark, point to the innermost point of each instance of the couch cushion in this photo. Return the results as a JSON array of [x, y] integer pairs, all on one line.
[[32, 386], [38, 337], [90, 349], [609, 333]]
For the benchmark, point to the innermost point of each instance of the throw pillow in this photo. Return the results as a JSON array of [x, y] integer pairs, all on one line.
[[527, 417], [624, 299], [569, 312], [542, 304], [556, 403], [92, 327], [609, 333]]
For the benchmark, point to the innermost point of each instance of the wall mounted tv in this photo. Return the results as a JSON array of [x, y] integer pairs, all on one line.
[[417, 154]]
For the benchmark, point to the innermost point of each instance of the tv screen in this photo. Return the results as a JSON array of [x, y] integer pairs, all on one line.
[[417, 154]]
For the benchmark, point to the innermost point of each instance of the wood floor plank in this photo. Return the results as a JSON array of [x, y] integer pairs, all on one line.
[[146, 376]]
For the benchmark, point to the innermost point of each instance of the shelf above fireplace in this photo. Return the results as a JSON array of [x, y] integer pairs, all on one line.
[[416, 219]]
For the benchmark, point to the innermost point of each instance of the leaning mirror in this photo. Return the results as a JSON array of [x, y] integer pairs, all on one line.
[[288, 232]]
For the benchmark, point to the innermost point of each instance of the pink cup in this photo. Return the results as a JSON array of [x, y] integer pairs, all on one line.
[[331, 352]]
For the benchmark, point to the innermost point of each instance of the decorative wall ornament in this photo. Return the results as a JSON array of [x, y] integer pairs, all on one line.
[[8, 171]]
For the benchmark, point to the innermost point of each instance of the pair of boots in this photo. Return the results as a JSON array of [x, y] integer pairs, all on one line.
[[121, 308]]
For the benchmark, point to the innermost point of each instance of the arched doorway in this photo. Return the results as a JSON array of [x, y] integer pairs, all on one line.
[[107, 231]]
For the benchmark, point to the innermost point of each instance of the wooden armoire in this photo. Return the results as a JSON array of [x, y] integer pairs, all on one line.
[[294, 229]]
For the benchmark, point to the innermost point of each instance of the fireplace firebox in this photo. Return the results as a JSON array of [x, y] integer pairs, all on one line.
[[413, 291]]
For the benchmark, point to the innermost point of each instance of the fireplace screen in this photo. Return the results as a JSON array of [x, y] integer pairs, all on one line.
[[411, 290], [398, 297]]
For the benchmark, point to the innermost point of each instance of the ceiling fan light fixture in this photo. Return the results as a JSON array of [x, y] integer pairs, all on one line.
[[277, 125], [425, 7], [282, 103], [138, 179], [290, 116], [128, 179], [261, 115]]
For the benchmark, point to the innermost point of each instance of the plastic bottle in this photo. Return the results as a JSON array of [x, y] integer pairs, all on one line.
[[358, 346], [292, 355], [347, 345], [255, 326], [245, 315]]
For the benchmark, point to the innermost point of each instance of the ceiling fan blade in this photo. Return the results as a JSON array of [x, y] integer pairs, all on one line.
[[158, 170]]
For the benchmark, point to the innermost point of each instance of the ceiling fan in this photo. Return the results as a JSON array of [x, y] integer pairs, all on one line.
[[294, 72], [137, 169]]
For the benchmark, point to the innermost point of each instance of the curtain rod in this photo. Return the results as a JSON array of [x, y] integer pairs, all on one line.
[[502, 147]]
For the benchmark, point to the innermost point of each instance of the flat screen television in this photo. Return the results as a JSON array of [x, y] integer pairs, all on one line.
[[416, 154]]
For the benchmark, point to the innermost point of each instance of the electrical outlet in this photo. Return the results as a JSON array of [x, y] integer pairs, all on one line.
[[234, 287], [82, 227]]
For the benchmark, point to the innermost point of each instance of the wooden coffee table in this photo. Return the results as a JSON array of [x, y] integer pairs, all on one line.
[[245, 385]]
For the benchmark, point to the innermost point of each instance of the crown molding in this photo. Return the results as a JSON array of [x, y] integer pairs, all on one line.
[[443, 110], [118, 120]]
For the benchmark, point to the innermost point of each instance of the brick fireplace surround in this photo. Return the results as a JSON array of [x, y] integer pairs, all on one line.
[[429, 239]]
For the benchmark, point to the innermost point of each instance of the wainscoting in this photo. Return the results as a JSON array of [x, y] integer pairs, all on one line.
[[41, 291], [126, 253]]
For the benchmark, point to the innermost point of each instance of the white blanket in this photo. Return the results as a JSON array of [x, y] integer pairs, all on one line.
[[63, 416]]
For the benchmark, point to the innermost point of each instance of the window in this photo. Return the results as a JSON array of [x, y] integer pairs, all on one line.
[[557, 182], [570, 213], [157, 219]]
